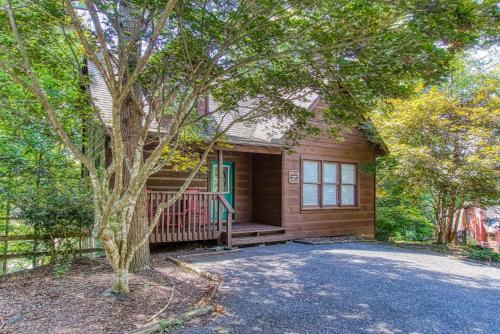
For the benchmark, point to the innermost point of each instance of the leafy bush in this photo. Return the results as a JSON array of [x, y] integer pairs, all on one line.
[[169, 326], [401, 223], [57, 213], [482, 254], [58, 209]]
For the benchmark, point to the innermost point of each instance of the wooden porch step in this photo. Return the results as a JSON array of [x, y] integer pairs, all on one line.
[[257, 232], [255, 240]]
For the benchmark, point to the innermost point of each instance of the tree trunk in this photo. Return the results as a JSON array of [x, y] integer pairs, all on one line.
[[131, 118], [459, 220], [138, 228], [454, 231], [450, 220], [440, 237], [120, 284], [131, 127], [440, 225]]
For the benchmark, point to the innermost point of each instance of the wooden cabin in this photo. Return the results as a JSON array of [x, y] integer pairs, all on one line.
[[266, 193]]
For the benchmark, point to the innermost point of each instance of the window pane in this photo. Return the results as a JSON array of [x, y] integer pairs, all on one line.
[[310, 195], [330, 173], [225, 179], [329, 195], [348, 195], [215, 178], [349, 173], [311, 172]]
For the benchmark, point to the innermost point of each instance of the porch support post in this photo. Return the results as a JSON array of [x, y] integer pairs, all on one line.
[[220, 165]]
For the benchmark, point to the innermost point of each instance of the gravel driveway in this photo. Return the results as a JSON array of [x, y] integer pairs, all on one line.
[[352, 288]]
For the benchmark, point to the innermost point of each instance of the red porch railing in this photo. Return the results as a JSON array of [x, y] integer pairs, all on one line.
[[193, 216]]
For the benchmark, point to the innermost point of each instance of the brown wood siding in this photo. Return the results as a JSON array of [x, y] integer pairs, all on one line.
[[266, 189], [94, 144], [242, 184], [355, 148], [170, 180]]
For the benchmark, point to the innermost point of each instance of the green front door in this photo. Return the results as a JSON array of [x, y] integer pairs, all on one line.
[[227, 184]]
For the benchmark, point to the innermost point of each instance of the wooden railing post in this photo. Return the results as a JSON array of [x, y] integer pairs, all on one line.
[[229, 231], [229, 221]]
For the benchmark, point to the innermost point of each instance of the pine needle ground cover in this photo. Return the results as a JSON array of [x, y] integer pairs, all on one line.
[[38, 301]]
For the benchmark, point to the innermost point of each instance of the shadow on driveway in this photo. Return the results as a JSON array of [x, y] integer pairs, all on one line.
[[352, 288]]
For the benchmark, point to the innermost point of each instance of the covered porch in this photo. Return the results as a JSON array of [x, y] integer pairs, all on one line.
[[247, 210]]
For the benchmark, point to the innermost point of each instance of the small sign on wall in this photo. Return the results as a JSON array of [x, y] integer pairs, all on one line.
[[293, 176]]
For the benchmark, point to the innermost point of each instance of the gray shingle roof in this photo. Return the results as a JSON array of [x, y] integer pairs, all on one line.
[[269, 131]]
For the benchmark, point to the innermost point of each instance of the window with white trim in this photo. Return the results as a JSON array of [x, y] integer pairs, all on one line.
[[310, 183], [329, 184], [349, 183]]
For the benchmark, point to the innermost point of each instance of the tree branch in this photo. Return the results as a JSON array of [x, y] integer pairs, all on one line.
[[108, 77], [37, 90], [147, 54]]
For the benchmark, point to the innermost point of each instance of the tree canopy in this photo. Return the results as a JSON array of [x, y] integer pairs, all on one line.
[[445, 144]]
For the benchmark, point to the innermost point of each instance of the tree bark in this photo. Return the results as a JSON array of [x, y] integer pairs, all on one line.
[[454, 226], [440, 236], [440, 226], [460, 213], [138, 228], [131, 117], [450, 212], [131, 129], [120, 284]]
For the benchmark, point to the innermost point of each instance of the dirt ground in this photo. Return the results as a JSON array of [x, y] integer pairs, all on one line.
[[38, 302]]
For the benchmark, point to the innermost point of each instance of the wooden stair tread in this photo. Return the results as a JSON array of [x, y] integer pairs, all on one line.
[[255, 229], [245, 227], [240, 241], [259, 233]]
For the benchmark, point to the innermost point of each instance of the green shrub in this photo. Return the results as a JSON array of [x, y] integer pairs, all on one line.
[[54, 209], [56, 214], [168, 326], [400, 223], [479, 253]]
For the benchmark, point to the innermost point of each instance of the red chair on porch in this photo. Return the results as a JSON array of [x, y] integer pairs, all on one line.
[[171, 215], [197, 207]]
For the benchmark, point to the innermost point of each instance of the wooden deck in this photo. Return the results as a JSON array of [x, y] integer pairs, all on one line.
[[199, 216], [191, 216]]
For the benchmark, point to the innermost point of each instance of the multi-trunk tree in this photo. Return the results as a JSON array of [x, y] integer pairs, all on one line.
[[159, 58]]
